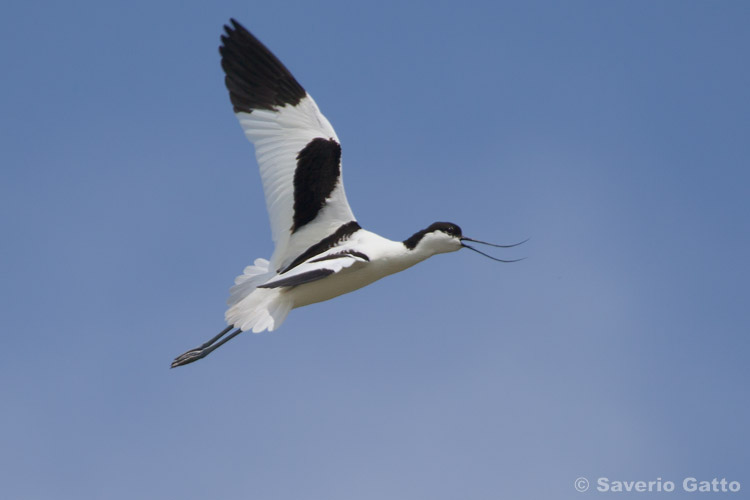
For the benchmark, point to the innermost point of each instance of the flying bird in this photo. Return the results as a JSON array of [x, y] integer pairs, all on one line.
[[320, 251]]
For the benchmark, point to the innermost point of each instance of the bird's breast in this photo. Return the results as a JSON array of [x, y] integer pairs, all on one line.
[[345, 281]]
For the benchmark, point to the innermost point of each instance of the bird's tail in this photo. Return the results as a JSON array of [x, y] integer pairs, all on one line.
[[256, 309]]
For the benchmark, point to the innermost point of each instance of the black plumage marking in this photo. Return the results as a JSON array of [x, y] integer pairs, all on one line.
[[330, 241], [299, 279], [255, 78], [345, 253], [317, 173], [447, 227]]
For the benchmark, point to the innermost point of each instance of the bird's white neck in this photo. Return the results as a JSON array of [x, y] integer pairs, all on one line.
[[395, 256]]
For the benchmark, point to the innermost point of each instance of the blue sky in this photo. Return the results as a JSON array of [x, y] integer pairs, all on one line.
[[614, 134]]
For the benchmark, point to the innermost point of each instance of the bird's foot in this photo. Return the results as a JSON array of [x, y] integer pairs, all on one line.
[[190, 356], [205, 349]]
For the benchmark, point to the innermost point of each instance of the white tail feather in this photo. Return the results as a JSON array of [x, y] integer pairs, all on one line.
[[245, 283], [253, 308]]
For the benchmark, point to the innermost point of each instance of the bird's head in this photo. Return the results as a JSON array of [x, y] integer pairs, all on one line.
[[442, 237], [439, 237]]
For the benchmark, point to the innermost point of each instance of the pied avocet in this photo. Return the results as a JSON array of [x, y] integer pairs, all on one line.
[[321, 252]]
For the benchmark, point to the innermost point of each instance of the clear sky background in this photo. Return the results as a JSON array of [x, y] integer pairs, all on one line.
[[614, 134]]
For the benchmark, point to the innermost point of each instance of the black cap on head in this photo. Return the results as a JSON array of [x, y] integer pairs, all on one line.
[[446, 227]]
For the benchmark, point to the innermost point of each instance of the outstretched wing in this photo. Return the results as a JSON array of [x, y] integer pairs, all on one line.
[[297, 149]]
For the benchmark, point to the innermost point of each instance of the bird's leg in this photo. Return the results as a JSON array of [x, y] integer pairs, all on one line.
[[205, 349], [217, 337]]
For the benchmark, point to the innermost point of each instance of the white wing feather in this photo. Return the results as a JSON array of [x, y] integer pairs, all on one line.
[[278, 137]]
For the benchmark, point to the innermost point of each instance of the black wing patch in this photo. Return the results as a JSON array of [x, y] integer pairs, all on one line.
[[255, 78], [318, 171], [330, 241], [299, 279]]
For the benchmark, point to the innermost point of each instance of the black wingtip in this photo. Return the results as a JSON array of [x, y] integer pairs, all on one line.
[[255, 78], [235, 26]]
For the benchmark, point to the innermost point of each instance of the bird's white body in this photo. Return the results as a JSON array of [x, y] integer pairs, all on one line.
[[257, 309], [386, 257]]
